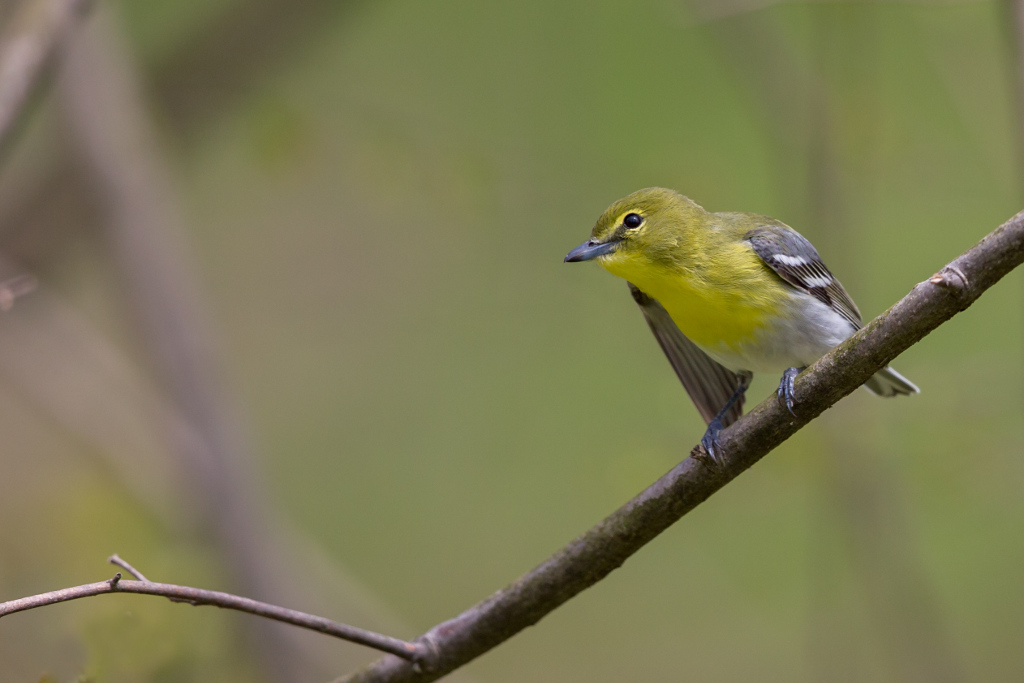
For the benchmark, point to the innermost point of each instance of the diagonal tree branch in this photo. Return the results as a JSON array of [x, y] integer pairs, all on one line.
[[411, 652], [592, 556]]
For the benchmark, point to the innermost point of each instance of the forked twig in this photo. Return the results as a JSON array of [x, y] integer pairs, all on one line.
[[411, 652]]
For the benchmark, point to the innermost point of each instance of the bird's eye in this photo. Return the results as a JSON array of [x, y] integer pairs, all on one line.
[[633, 220]]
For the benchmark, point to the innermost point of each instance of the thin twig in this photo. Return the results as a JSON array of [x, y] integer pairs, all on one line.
[[26, 48], [116, 559], [410, 652], [66, 368], [592, 556]]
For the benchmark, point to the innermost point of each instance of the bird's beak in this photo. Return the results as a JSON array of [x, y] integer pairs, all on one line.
[[590, 249]]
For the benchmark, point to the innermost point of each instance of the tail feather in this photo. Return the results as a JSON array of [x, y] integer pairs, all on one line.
[[888, 382]]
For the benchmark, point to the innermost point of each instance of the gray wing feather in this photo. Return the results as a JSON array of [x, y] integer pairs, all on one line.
[[709, 384], [797, 262]]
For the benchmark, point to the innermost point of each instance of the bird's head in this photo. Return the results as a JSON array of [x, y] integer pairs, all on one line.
[[651, 227]]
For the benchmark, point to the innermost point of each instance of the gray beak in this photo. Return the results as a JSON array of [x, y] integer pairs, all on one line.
[[589, 250]]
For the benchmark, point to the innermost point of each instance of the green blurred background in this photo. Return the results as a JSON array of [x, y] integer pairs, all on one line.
[[376, 198]]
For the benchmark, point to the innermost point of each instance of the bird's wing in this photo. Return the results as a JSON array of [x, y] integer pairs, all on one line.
[[709, 384], [796, 261]]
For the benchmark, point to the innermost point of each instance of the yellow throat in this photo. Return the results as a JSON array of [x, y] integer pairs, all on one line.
[[724, 302]]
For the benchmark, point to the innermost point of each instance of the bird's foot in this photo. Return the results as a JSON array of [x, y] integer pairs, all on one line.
[[786, 393], [709, 442]]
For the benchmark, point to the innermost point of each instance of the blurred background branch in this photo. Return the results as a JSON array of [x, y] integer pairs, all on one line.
[[121, 153], [143, 228], [27, 45]]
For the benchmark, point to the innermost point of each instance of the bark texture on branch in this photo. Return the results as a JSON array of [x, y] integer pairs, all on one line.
[[589, 558]]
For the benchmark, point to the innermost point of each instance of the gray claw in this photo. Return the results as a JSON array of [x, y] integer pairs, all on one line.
[[710, 441], [786, 392]]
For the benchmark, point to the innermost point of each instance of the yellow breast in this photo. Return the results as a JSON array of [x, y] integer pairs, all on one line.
[[726, 303]]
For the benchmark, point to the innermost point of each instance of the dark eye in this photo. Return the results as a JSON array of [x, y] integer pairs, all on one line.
[[633, 220]]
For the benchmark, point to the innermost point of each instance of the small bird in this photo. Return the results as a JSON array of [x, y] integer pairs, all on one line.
[[726, 295]]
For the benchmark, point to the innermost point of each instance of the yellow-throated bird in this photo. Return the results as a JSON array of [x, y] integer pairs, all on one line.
[[726, 295]]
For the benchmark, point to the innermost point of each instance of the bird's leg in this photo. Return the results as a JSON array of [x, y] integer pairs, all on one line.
[[785, 392], [710, 439]]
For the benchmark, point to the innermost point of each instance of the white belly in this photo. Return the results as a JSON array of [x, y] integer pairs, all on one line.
[[798, 339]]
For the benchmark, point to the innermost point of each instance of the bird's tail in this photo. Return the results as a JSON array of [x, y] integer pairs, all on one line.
[[888, 382]]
